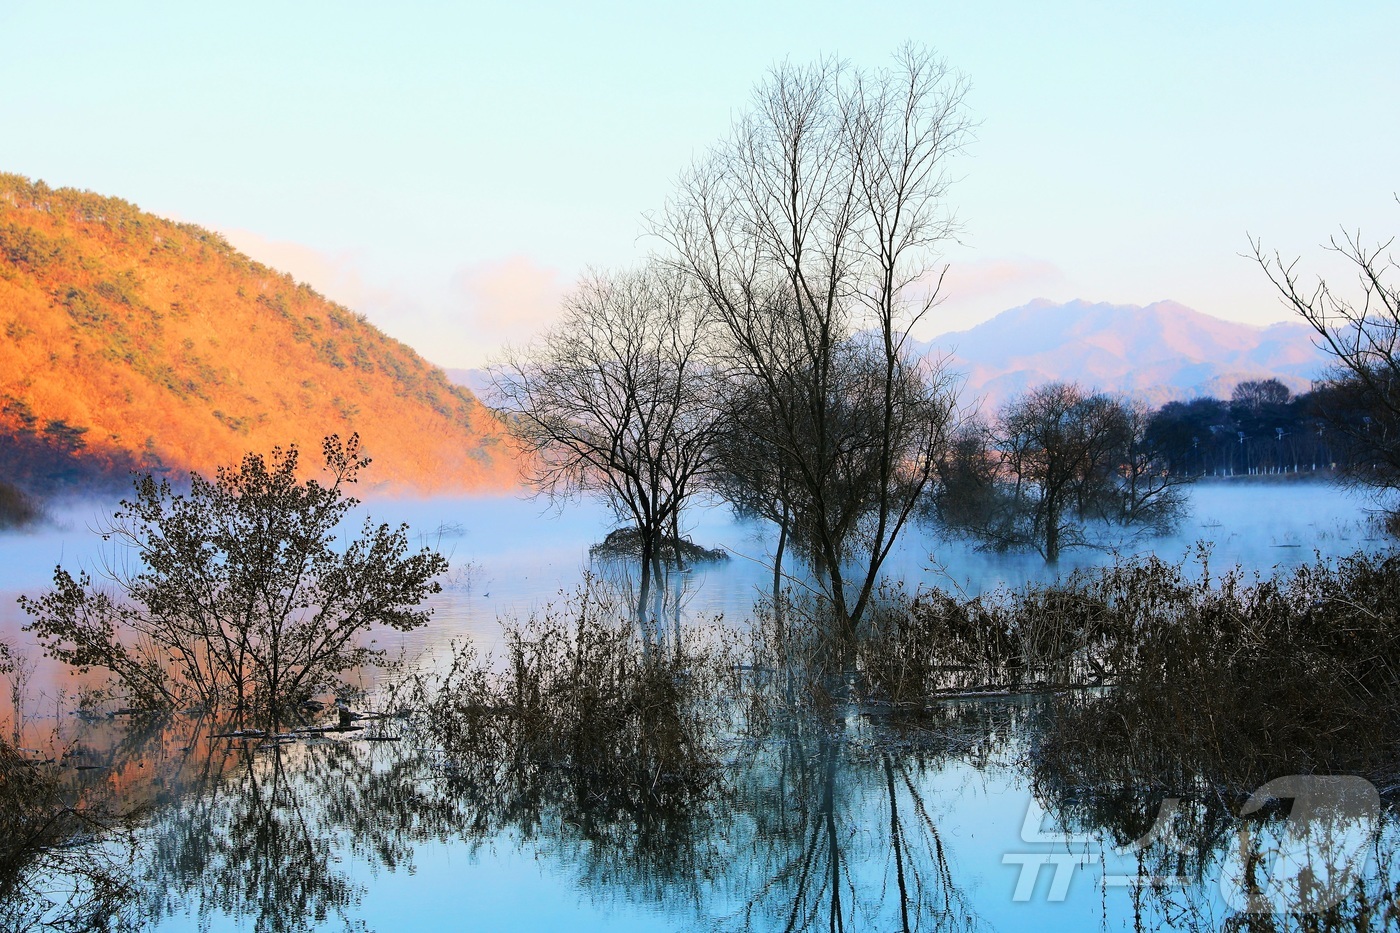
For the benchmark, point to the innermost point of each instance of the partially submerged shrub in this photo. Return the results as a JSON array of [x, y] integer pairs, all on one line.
[[790, 661], [912, 649], [582, 690], [239, 595], [1042, 636], [1232, 679]]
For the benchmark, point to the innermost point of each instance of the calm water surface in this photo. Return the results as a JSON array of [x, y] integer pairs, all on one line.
[[854, 822]]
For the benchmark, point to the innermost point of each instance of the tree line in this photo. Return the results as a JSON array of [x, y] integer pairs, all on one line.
[[1262, 429]]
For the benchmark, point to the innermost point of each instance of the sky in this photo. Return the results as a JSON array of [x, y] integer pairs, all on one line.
[[451, 169]]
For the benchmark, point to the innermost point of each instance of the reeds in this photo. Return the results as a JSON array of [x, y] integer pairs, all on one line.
[[584, 690], [934, 643], [1237, 680], [1230, 679]]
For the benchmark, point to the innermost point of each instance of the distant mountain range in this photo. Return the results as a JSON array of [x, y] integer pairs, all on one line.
[[133, 342], [1160, 352], [474, 380]]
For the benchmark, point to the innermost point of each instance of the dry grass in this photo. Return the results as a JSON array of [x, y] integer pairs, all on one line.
[[1228, 679], [582, 690], [1236, 680]]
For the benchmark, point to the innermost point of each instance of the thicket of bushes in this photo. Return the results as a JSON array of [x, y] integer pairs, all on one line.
[[582, 691], [1158, 674], [1233, 678]]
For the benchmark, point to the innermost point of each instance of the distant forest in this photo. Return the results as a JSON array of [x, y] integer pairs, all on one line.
[[1262, 429]]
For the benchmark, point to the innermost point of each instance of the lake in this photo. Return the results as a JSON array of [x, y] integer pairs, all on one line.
[[854, 822]]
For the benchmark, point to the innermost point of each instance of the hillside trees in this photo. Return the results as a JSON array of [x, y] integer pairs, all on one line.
[[1051, 462], [236, 595], [16, 507], [133, 342], [1362, 333], [619, 400], [812, 233]]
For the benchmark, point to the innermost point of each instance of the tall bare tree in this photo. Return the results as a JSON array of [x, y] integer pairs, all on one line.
[[813, 232], [618, 401], [1362, 334]]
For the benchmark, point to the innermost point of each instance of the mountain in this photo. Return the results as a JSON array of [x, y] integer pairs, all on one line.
[[136, 342], [1160, 352]]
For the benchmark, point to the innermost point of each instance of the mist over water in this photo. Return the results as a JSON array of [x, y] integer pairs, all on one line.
[[512, 555]]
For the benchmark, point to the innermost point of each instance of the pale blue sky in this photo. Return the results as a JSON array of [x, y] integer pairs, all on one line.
[[448, 168]]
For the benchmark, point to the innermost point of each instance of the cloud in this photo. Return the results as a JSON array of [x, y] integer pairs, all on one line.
[[970, 281], [458, 317], [336, 275], [507, 300], [975, 290]]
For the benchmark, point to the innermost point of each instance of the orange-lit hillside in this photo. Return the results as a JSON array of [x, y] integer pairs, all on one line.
[[133, 341]]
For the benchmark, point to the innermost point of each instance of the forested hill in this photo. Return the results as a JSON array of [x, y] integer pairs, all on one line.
[[131, 341]]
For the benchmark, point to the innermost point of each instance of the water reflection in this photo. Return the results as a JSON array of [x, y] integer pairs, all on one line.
[[835, 832], [843, 821], [1205, 863]]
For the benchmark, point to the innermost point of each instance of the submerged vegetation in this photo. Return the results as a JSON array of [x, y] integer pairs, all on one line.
[[1156, 674], [1234, 681], [581, 691]]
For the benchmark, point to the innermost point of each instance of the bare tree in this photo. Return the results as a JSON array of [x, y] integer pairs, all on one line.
[[1362, 334], [1053, 461], [752, 470], [618, 401], [1150, 495], [1255, 394], [812, 232]]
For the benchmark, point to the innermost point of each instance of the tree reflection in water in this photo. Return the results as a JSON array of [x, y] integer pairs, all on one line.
[[54, 871], [1185, 847], [830, 820], [836, 829], [284, 837], [258, 835]]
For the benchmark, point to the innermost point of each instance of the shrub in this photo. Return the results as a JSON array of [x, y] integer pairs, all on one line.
[[239, 596]]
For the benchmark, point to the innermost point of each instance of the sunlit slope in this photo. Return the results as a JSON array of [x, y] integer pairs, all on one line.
[[134, 341]]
